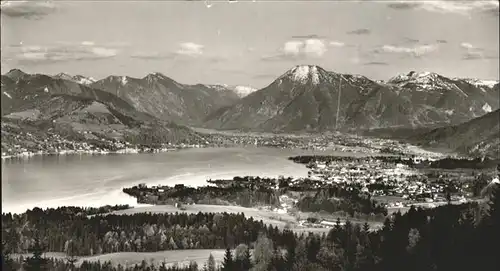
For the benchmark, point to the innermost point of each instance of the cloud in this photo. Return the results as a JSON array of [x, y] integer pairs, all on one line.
[[472, 52], [88, 43], [299, 49], [151, 55], [27, 9], [450, 6], [441, 41], [35, 54], [403, 5], [190, 49], [361, 31], [184, 56], [415, 51], [312, 36], [376, 63], [337, 44], [467, 45]]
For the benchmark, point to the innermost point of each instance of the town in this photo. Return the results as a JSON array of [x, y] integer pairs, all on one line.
[[356, 188]]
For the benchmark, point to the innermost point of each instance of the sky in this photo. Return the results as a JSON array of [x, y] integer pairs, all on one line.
[[250, 42]]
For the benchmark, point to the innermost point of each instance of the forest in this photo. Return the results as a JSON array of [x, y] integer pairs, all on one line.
[[451, 237]]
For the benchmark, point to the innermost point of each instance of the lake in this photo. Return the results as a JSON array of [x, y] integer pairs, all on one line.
[[97, 180]]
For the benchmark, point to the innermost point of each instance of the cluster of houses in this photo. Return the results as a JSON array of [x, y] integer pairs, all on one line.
[[385, 179]]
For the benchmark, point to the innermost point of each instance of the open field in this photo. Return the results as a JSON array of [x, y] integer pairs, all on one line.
[[267, 217], [181, 257]]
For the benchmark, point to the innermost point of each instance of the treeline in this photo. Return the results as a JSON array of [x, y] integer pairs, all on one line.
[[63, 230]]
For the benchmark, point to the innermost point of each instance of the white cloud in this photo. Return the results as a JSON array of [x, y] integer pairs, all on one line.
[[337, 44], [466, 45], [292, 47], [190, 49], [450, 6], [309, 47], [151, 55], [415, 51], [88, 43], [472, 52], [68, 52], [103, 52]]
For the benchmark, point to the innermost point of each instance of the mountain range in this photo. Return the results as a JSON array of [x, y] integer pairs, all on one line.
[[304, 98], [310, 98]]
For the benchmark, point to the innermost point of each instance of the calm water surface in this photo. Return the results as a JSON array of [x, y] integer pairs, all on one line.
[[90, 180]]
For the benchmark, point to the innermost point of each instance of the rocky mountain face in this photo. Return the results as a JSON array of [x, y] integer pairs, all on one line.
[[309, 98], [164, 98], [478, 137], [442, 100]]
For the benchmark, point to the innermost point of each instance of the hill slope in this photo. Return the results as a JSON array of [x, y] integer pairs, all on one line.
[[478, 137]]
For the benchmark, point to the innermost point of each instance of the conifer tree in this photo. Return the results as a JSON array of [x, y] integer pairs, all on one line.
[[228, 264], [211, 263], [36, 262]]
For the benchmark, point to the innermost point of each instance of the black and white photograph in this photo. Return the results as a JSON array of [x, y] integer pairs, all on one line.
[[250, 135]]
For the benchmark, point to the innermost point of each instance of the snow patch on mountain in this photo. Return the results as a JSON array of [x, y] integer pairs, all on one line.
[[46, 89], [7, 94], [77, 78], [243, 91], [124, 80], [495, 180], [486, 108], [84, 80], [481, 83]]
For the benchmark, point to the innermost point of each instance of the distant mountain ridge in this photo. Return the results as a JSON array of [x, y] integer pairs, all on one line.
[[304, 98], [164, 98], [309, 98]]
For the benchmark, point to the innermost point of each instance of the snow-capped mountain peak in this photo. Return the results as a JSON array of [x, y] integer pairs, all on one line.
[[415, 77], [304, 73], [423, 81]]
